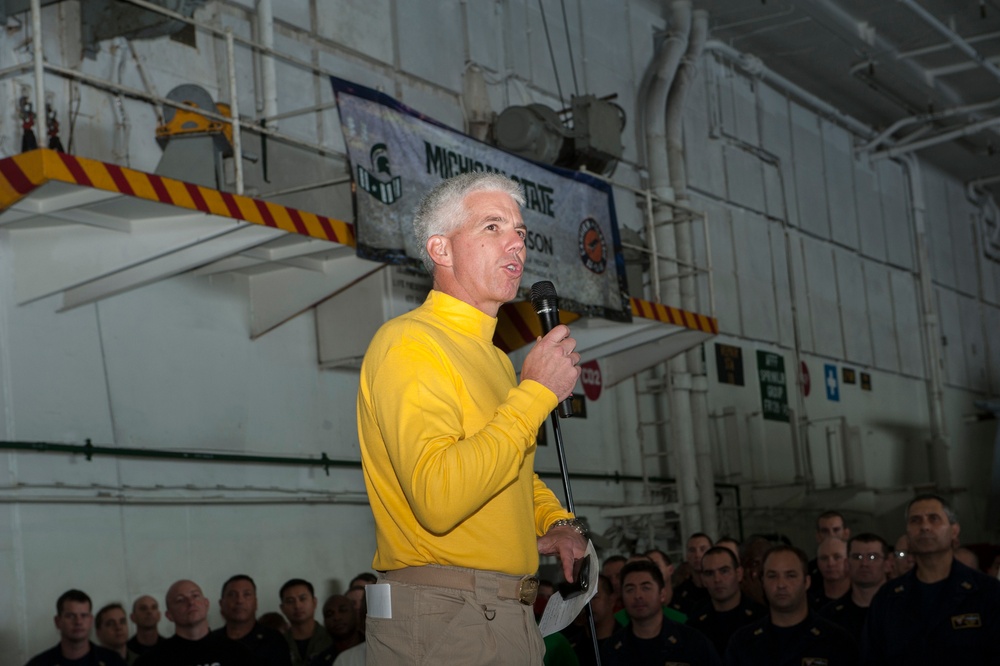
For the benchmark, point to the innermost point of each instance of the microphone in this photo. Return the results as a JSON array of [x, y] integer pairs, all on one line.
[[546, 304]]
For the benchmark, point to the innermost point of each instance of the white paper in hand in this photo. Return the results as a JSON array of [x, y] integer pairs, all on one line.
[[560, 612]]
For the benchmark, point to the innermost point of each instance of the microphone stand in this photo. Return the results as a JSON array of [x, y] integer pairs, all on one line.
[[561, 454]]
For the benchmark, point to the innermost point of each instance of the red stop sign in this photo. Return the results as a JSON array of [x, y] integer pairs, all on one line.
[[590, 377]]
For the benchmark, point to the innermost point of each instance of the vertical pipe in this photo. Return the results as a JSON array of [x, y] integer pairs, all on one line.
[[654, 265], [234, 111], [695, 367], [268, 77], [846, 452], [939, 445], [39, 62], [663, 72], [796, 450]]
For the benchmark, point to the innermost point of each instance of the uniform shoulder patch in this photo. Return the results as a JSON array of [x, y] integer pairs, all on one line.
[[898, 589], [672, 639], [702, 618], [815, 661], [814, 631], [759, 631], [966, 621], [966, 585]]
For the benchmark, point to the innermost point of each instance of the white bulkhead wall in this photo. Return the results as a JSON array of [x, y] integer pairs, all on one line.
[[813, 258]]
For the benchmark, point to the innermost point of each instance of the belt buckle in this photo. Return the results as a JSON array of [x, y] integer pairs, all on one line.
[[527, 590]]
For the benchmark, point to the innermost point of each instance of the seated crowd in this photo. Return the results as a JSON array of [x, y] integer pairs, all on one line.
[[292, 638], [765, 603], [759, 602]]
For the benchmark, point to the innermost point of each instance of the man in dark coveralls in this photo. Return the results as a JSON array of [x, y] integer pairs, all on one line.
[[941, 611], [730, 609], [74, 622], [791, 635], [192, 643], [650, 638]]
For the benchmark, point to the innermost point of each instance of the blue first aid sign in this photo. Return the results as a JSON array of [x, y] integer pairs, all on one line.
[[830, 379]]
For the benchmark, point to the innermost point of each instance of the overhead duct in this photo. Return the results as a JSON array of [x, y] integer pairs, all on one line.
[[591, 138]]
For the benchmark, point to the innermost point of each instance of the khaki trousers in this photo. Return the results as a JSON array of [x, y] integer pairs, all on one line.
[[443, 626]]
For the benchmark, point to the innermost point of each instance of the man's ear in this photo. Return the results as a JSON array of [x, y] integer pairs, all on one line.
[[439, 250]]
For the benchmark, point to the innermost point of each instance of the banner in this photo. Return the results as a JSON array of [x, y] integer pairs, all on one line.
[[397, 155]]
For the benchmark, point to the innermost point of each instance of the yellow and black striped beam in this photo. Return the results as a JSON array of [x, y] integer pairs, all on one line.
[[518, 324], [21, 174]]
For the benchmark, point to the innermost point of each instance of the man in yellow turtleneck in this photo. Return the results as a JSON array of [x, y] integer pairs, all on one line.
[[448, 441]]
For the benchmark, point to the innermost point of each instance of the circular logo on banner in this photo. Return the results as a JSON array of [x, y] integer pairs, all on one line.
[[593, 249], [590, 377], [804, 371]]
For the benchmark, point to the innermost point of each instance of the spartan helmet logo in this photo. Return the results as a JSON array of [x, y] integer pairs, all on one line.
[[380, 160], [379, 181]]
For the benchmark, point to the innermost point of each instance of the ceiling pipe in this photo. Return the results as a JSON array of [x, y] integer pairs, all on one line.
[[926, 50], [943, 137], [850, 26], [924, 118], [956, 40], [756, 68], [988, 180]]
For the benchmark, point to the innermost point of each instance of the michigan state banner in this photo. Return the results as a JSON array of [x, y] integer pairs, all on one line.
[[397, 155]]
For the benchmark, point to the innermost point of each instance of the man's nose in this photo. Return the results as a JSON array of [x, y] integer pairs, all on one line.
[[514, 241]]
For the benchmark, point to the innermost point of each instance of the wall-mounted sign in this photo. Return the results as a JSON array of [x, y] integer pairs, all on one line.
[[773, 386], [590, 377], [729, 364], [849, 376], [830, 379], [866, 381]]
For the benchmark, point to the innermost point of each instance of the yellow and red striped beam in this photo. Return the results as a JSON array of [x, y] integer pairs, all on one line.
[[518, 325], [675, 316], [21, 174]]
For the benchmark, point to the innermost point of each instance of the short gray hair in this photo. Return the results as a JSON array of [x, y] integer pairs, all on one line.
[[926, 497], [443, 208]]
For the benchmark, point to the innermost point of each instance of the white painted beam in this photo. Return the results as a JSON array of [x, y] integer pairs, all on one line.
[[277, 296], [49, 259], [168, 264]]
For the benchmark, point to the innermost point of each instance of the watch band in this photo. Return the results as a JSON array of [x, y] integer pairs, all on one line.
[[575, 523]]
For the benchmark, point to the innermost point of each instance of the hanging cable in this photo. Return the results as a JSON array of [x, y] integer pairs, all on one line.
[[569, 47], [552, 55]]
